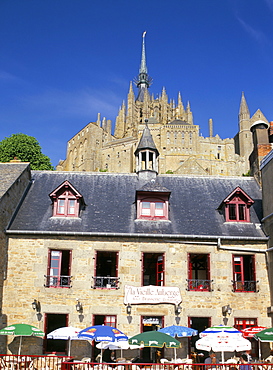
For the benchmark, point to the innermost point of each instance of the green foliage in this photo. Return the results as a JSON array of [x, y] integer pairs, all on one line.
[[103, 170], [247, 174], [26, 149], [169, 172]]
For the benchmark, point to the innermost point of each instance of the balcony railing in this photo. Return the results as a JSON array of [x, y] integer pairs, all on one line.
[[199, 285], [245, 286], [61, 281], [105, 282]]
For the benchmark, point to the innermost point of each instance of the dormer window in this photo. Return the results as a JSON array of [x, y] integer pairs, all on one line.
[[67, 205], [152, 206], [66, 201], [237, 206]]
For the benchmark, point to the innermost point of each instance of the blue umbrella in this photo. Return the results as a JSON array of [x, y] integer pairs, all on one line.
[[102, 333], [179, 331]]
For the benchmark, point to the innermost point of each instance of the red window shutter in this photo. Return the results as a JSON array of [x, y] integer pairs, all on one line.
[[48, 262], [160, 270], [70, 263], [117, 264], [208, 267], [253, 267], [95, 264], [142, 268], [189, 266]]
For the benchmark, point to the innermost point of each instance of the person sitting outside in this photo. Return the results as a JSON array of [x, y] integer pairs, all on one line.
[[244, 365], [107, 356], [211, 360]]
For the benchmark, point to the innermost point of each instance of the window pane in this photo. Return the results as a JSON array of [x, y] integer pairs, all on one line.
[[242, 212], [110, 321], [145, 209], [71, 206], [61, 206], [159, 209], [232, 211]]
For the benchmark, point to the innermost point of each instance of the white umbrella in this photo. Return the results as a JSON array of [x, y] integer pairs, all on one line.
[[223, 342], [66, 333], [113, 345], [116, 346]]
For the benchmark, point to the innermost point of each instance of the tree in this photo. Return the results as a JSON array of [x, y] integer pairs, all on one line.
[[26, 149]]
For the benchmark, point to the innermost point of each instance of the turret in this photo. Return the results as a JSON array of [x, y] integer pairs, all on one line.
[[146, 155], [261, 147]]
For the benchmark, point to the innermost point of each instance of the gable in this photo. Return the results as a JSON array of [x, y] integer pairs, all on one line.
[[191, 166]]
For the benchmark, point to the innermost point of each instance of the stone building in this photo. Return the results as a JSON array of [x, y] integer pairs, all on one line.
[[136, 251], [14, 180], [267, 176], [183, 150]]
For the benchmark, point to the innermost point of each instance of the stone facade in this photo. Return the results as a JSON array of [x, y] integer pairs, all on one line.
[[267, 175], [14, 179], [28, 259]]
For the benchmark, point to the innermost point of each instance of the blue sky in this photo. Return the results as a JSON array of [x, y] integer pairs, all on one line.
[[63, 61]]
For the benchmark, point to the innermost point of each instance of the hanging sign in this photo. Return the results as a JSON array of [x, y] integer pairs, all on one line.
[[151, 294]]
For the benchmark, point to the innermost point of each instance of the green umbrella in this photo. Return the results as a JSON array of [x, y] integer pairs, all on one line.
[[21, 330], [265, 335], [154, 339]]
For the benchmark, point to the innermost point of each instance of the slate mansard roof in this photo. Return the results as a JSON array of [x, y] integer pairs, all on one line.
[[110, 206]]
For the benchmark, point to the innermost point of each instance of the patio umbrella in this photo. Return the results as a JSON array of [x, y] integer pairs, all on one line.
[[154, 339], [265, 335], [113, 345], [178, 331], [102, 333], [121, 345], [251, 331], [223, 342], [66, 333], [220, 329], [22, 330]]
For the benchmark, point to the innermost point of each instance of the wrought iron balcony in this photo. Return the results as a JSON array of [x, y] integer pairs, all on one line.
[[105, 282], [60, 281], [199, 285], [245, 286]]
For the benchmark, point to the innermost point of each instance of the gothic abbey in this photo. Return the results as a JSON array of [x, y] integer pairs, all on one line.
[[182, 150]]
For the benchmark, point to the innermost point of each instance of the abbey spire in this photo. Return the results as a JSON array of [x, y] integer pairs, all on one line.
[[143, 80], [243, 111]]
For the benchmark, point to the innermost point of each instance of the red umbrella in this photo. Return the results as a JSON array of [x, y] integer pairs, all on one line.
[[250, 332]]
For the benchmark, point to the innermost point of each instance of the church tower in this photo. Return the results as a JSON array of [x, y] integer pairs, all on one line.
[[245, 143]]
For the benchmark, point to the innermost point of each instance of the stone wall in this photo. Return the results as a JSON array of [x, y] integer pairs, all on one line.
[[14, 178], [28, 259]]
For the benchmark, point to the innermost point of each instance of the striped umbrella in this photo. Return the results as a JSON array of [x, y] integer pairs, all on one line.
[[220, 329]]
